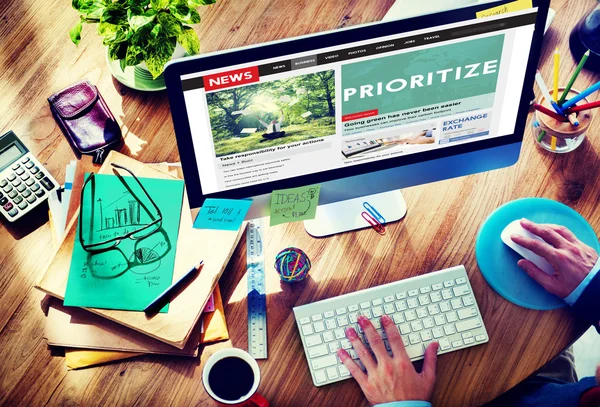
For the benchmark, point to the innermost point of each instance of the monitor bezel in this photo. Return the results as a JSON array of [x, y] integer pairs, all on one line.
[[281, 48]]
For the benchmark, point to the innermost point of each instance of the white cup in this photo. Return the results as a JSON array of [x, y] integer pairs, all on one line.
[[252, 398]]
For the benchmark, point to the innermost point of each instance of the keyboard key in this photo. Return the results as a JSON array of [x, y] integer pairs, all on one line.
[[405, 341], [416, 326], [341, 311], [428, 322], [35, 170], [468, 325], [352, 308], [26, 193], [317, 317], [25, 160], [414, 338], [46, 183], [446, 294], [426, 336], [461, 290], [333, 346], [22, 205], [25, 176], [437, 286], [467, 313], [313, 340], [317, 351], [424, 300], [16, 166], [480, 338], [307, 330], [344, 372], [339, 334], [13, 212], [329, 314], [413, 293], [424, 290], [449, 330], [29, 165], [412, 303], [435, 297], [451, 316], [439, 319], [388, 298], [16, 182], [3, 201], [328, 336], [345, 344], [449, 283], [468, 300], [353, 317], [377, 312], [389, 308], [12, 176], [365, 305], [422, 313], [410, 315], [18, 199], [40, 193], [303, 321], [353, 354], [319, 326], [19, 171], [30, 182], [8, 206], [39, 175], [377, 301], [400, 305], [332, 373], [467, 335], [433, 309], [415, 351], [401, 296], [456, 303], [330, 324], [320, 376], [21, 187], [3, 183], [7, 188], [445, 306], [461, 280], [342, 321], [13, 193], [456, 344], [444, 344], [398, 318], [404, 329], [469, 341], [437, 333], [367, 313]]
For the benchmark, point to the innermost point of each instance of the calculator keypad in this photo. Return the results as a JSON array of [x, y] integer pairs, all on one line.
[[22, 186]]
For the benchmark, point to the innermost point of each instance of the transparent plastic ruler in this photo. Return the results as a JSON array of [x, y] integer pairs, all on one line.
[[257, 299]]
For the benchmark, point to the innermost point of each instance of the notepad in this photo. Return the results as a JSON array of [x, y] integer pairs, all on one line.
[[294, 204]]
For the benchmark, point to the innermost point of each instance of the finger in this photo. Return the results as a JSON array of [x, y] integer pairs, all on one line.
[[361, 350], [564, 232], [394, 338], [545, 232], [430, 362], [535, 272], [352, 367], [540, 248], [375, 341]]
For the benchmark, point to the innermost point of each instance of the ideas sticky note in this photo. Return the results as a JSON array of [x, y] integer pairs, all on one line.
[[294, 204], [505, 8], [222, 214]]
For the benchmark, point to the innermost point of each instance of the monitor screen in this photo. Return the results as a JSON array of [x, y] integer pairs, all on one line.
[[345, 103]]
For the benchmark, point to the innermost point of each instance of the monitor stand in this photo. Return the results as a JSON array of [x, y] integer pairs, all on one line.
[[345, 216]]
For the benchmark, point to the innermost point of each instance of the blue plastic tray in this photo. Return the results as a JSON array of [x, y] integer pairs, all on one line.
[[498, 263]]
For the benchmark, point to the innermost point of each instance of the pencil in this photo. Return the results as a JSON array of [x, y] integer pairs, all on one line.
[[170, 293], [573, 119], [585, 106], [573, 101], [553, 143], [541, 136], [548, 112], [556, 66], [575, 75], [546, 92]]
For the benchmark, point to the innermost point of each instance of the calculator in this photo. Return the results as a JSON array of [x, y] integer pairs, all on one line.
[[24, 182]]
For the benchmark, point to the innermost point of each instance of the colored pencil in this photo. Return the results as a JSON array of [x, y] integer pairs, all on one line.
[[573, 119], [575, 75], [546, 92], [553, 143], [586, 106], [541, 136], [556, 67], [170, 293], [546, 111], [573, 101]]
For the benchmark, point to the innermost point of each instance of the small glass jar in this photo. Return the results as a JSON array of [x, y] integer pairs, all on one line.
[[560, 137]]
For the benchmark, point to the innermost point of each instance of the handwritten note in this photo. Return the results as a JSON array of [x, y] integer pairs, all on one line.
[[222, 214], [294, 204], [505, 8]]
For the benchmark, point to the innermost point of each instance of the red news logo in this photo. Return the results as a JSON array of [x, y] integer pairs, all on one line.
[[231, 78]]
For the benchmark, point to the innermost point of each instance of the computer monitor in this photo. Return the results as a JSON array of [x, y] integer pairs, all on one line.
[[363, 111]]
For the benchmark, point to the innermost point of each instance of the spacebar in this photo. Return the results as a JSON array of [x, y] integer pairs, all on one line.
[[326, 361], [415, 351]]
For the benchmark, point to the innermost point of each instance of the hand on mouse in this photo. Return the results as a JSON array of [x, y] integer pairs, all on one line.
[[389, 378], [571, 259]]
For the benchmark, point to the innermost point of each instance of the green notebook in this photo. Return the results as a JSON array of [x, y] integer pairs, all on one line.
[[131, 252]]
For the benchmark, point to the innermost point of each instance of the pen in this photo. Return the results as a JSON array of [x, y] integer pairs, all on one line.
[[170, 293]]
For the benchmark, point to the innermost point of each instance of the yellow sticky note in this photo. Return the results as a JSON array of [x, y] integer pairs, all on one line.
[[294, 204], [505, 8]]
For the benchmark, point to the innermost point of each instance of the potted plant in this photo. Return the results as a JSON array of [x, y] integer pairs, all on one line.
[[138, 31]]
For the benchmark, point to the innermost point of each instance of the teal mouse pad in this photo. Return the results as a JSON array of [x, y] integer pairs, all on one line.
[[498, 262]]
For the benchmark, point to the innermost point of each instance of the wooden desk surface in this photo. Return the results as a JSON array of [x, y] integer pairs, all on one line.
[[443, 218]]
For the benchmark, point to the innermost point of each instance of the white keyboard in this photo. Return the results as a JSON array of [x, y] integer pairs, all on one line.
[[436, 306]]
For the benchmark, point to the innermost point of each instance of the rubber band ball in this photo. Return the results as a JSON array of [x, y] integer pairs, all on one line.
[[292, 264]]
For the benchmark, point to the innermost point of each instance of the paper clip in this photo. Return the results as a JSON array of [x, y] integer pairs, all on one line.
[[379, 228], [374, 212]]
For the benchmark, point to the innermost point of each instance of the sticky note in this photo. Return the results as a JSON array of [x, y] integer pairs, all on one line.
[[505, 8], [294, 204], [222, 214]]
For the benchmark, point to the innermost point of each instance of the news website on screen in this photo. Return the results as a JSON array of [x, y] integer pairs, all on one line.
[[357, 103]]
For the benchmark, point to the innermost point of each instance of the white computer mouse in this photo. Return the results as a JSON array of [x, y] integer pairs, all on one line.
[[515, 228]]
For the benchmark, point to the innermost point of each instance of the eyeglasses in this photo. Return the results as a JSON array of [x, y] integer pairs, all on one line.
[[141, 233]]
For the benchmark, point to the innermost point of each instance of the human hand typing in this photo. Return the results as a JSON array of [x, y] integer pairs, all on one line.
[[389, 378], [571, 259]]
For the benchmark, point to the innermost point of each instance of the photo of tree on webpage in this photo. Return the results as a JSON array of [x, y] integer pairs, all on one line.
[[272, 113]]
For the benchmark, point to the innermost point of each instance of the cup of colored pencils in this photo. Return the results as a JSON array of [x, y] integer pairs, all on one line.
[[564, 114]]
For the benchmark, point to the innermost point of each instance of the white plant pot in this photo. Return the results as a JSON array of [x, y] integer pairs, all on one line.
[[178, 53]]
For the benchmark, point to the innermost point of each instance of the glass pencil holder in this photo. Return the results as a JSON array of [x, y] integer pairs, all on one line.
[[560, 137]]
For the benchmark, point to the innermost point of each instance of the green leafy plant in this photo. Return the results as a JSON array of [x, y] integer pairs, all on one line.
[[141, 30]]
